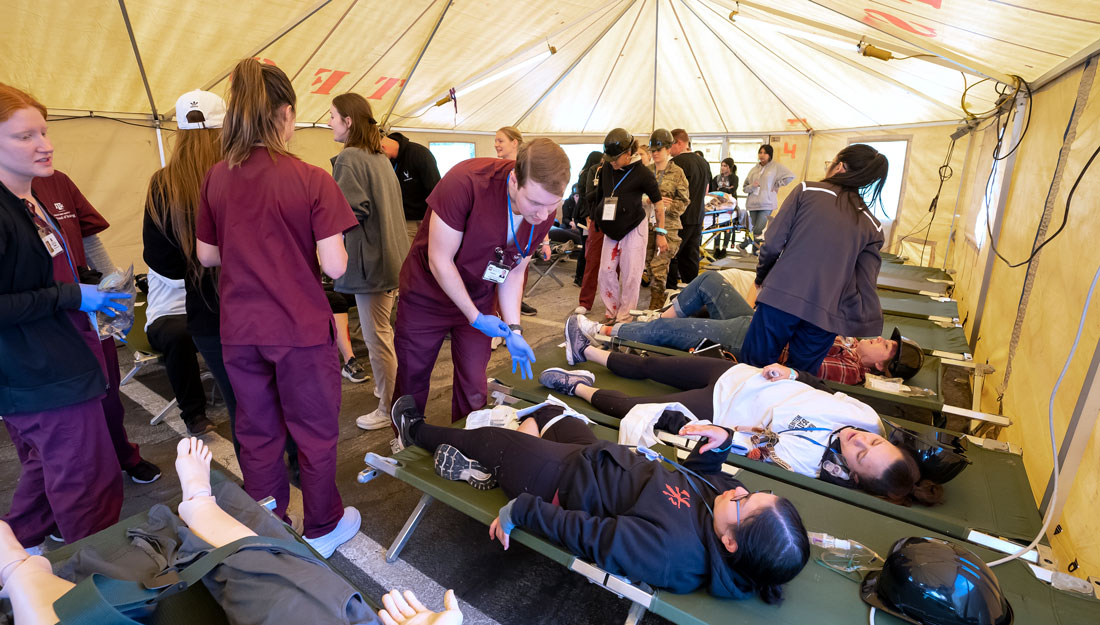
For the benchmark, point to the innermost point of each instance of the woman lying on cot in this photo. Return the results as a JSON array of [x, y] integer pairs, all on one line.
[[299, 587], [783, 416], [679, 530]]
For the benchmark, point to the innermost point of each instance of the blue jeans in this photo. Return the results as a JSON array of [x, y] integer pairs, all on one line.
[[772, 329], [730, 316]]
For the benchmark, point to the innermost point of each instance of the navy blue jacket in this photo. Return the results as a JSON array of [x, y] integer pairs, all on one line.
[[637, 518], [44, 362]]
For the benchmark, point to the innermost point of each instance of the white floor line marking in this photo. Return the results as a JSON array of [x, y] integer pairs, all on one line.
[[362, 551], [541, 322]]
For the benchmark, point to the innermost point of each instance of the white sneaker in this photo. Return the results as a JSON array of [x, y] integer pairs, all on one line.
[[588, 327], [580, 310], [344, 531], [495, 343], [377, 420]]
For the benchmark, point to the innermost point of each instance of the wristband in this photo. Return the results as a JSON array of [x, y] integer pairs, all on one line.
[[515, 327], [660, 231], [793, 375]]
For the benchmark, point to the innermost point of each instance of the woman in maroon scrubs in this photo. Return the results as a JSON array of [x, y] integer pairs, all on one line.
[[266, 217]]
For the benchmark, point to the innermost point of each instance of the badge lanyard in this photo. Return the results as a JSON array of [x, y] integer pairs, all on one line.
[[807, 438], [55, 228], [512, 224], [616, 187], [610, 203]]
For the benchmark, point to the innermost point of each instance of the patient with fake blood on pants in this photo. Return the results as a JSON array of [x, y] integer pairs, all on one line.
[[302, 591], [679, 530]]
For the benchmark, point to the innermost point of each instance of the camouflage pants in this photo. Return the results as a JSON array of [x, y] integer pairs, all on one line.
[[657, 266]]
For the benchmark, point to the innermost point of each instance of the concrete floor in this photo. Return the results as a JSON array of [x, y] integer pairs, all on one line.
[[448, 550]]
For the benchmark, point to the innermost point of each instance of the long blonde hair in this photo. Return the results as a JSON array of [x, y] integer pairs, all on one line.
[[173, 196], [256, 92]]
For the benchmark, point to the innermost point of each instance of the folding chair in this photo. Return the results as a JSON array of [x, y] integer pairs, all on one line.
[[544, 269]]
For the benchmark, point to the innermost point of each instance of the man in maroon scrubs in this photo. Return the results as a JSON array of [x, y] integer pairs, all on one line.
[[486, 217], [78, 219]]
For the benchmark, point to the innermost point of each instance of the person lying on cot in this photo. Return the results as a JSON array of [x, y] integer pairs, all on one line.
[[783, 416], [29, 583], [848, 361], [680, 530]]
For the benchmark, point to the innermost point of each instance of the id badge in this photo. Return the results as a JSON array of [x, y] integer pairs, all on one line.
[[609, 206], [53, 246], [495, 272]]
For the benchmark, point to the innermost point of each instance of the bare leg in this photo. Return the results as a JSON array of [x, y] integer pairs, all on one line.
[[28, 581], [669, 313], [598, 356], [343, 337], [199, 510], [585, 392], [529, 426]]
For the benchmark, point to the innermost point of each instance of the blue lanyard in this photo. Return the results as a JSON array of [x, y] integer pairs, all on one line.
[[807, 438], [512, 223], [55, 227], [616, 187]]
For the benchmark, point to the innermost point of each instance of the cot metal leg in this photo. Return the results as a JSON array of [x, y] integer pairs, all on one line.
[[543, 274], [410, 526], [163, 413], [635, 615], [129, 376]]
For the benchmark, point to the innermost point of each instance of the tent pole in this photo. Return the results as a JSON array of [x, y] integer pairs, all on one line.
[[419, 57], [656, 46], [160, 144], [998, 219], [137, 56], [958, 194], [575, 63], [809, 151]]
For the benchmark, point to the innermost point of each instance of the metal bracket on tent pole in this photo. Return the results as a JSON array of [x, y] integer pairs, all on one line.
[[575, 63], [416, 64]]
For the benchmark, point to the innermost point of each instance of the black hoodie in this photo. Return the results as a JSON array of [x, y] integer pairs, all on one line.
[[637, 518], [418, 174]]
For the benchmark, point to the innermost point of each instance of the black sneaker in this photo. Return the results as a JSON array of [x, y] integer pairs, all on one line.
[[144, 472], [527, 310], [575, 341], [451, 464], [354, 371], [200, 425], [404, 414]]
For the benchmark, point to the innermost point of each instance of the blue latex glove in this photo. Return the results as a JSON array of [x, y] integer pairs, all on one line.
[[522, 355], [491, 325], [94, 300]]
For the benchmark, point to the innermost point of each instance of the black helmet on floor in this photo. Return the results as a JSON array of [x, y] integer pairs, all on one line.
[[616, 142], [908, 359], [661, 138], [933, 582], [940, 455]]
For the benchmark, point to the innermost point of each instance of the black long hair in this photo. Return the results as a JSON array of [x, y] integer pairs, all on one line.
[[772, 548], [866, 171]]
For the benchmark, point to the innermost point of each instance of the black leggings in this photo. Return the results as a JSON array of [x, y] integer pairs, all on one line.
[[693, 375], [521, 463]]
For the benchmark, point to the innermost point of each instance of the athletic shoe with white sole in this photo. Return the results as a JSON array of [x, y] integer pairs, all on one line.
[[588, 327], [377, 420], [144, 472], [580, 310], [345, 530], [403, 415], [354, 372], [452, 464], [575, 341], [565, 382]]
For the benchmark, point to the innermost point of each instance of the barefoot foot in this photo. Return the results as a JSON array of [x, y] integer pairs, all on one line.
[[193, 467]]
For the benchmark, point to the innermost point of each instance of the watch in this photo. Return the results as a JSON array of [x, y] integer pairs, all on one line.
[[515, 327]]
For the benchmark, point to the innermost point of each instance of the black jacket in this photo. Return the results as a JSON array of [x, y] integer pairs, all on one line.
[[418, 174], [634, 517], [731, 188], [44, 362], [697, 171], [633, 181], [163, 255]]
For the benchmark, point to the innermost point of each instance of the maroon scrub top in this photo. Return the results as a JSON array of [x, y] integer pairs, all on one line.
[[266, 217], [473, 199], [72, 211]]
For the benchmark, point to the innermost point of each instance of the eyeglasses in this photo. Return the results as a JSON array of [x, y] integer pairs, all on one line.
[[737, 501]]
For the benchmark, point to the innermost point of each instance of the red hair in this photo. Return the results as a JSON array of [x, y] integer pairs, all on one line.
[[12, 100]]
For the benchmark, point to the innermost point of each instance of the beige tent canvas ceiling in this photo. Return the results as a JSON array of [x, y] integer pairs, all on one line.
[[787, 71]]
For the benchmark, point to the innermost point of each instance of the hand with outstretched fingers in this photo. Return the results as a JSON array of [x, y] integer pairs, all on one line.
[[106, 302], [715, 435], [522, 355], [491, 325], [406, 609]]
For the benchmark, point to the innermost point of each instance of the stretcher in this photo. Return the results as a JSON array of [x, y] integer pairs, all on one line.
[[817, 595], [193, 605], [892, 276], [991, 498], [943, 339]]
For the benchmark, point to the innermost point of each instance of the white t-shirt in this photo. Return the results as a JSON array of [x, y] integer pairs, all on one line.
[[743, 397], [166, 297]]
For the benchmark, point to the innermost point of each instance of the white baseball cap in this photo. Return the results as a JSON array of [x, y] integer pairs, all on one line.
[[209, 104]]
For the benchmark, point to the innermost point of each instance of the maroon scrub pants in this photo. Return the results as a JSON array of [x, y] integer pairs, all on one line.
[[293, 390], [419, 335], [70, 479], [593, 253], [113, 411]]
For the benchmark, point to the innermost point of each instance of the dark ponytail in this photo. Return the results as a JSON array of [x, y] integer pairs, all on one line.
[[772, 548], [256, 92], [901, 483], [866, 170]]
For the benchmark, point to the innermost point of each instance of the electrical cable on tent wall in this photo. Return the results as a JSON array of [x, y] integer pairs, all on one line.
[[1068, 137], [945, 173]]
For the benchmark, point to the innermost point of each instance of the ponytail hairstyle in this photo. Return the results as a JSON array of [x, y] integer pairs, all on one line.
[[772, 548], [363, 132], [867, 170], [901, 483], [256, 92], [12, 100], [173, 196], [513, 134]]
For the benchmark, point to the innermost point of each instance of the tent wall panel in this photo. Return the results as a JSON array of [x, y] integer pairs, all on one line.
[[1065, 270]]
